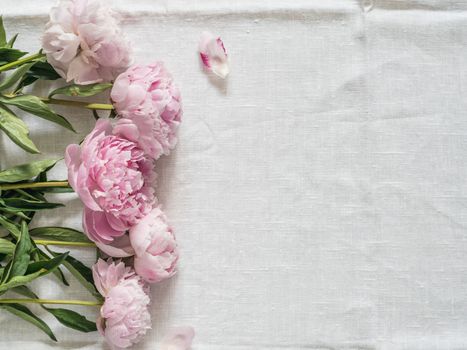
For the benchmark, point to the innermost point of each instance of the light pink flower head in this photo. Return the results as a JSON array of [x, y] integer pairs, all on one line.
[[124, 317], [149, 108], [213, 54], [84, 43], [156, 251], [114, 179]]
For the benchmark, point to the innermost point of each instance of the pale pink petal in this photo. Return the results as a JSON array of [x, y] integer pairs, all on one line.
[[213, 55], [72, 161], [63, 46], [107, 274], [179, 338], [119, 248], [120, 89], [128, 129], [82, 189], [97, 227], [116, 223], [82, 72]]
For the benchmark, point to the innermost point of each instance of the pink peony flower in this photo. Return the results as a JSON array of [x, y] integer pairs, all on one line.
[[149, 108], [156, 251], [213, 54], [114, 179], [84, 43], [124, 317], [179, 338]]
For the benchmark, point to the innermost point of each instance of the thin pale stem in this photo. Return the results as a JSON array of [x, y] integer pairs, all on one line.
[[71, 103], [99, 106], [64, 243], [13, 64], [50, 301], [34, 185]]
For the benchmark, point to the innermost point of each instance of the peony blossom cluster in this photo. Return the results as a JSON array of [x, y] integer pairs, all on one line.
[[113, 172], [114, 175], [113, 169]]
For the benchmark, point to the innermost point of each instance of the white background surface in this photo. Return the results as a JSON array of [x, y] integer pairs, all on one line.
[[318, 195]]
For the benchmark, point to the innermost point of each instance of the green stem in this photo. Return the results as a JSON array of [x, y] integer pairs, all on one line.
[[100, 106], [65, 243], [20, 61], [24, 193], [34, 185], [50, 301], [71, 103]]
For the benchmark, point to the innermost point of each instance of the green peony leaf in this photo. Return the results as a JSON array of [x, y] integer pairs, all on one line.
[[27, 171], [40, 70], [73, 320], [40, 269], [6, 247], [15, 77], [81, 90], [8, 54], [48, 265], [43, 70], [10, 226], [25, 291], [22, 204], [26, 314], [36, 106], [66, 317], [12, 41], [16, 130], [60, 234], [57, 272], [20, 260], [2, 33], [81, 272]]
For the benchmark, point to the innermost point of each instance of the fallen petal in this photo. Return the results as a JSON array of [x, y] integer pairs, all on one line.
[[213, 54], [179, 338]]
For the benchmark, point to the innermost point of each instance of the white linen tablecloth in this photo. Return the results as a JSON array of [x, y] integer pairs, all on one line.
[[319, 195]]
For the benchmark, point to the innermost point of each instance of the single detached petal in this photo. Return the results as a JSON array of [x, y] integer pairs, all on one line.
[[213, 54], [179, 338]]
